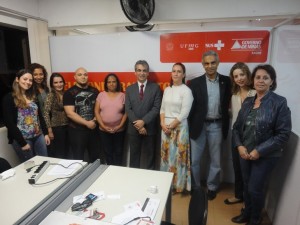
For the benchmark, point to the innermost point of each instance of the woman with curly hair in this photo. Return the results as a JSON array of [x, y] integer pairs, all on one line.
[[111, 117], [40, 87]]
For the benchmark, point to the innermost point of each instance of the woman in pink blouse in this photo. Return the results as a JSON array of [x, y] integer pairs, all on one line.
[[110, 114]]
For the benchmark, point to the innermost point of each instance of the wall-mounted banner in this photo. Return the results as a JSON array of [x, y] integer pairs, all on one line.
[[232, 46]]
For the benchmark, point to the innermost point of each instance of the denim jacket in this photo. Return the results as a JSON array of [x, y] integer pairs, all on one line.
[[272, 125]]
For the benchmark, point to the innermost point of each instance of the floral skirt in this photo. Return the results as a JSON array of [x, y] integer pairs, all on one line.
[[175, 157]]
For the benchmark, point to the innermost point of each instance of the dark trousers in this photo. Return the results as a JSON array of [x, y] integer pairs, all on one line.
[[255, 176], [60, 144], [139, 142], [82, 139], [238, 178], [113, 145]]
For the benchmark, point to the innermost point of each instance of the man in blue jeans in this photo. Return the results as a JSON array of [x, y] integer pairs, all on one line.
[[209, 120]]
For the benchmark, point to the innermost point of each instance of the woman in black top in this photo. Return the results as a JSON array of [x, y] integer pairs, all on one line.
[[23, 118]]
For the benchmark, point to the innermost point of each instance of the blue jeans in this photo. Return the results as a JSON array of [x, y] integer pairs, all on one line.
[[255, 176], [37, 147], [212, 134]]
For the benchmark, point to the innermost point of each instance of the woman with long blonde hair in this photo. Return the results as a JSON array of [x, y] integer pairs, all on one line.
[[240, 76]]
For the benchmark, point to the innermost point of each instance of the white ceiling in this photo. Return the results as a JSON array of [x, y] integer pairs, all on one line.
[[77, 17], [203, 24]]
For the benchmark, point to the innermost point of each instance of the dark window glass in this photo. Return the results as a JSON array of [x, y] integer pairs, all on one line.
[[14, 55]]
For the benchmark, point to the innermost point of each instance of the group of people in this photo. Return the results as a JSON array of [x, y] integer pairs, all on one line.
[[193, 117]]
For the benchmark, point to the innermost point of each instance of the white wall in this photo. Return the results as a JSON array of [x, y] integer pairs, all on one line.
[[61, 13], [283, 199], [285, 58], [6, 150], [207, 9], [88, 12]]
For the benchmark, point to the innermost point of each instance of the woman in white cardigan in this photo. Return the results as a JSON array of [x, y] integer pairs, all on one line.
[[175, 148]]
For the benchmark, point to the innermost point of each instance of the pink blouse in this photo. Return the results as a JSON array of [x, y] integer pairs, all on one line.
[[111, 109]]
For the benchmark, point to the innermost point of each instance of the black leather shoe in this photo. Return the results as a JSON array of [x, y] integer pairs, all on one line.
[[242, 218], [256, 222], [211, 195]]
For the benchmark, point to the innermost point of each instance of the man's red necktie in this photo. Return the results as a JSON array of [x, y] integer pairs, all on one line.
[[142, 92]]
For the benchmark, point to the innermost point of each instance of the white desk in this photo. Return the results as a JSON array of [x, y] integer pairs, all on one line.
[[24, 203], [132, 185], [19, 198]]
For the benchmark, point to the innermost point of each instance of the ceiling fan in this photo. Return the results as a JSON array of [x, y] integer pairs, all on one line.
[[138, 12]]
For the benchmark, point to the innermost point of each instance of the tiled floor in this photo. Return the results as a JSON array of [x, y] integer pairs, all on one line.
[[218, 212]]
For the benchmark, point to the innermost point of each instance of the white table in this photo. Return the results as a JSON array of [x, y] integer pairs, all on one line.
[[19, 198], [132, 185], [23, 202]]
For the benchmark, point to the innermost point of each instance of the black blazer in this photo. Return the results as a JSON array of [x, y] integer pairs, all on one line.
[[200, 105], [146, 109]]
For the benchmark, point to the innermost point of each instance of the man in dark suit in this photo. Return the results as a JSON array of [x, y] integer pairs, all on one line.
[[209, 120], [142, 105]]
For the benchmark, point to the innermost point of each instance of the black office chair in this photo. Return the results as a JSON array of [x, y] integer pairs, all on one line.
[[198, 207], [166, 223], [4, 165]]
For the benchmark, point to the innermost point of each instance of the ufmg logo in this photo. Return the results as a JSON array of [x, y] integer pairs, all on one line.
[[189, 46]]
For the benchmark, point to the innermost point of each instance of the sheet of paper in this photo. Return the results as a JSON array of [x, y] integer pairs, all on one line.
[[133, 212], [127, 216], [133, 205], [62, 171], [59, 218], [150, 207]]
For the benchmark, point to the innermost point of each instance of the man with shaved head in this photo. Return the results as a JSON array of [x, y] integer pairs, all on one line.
[[79, 102]]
